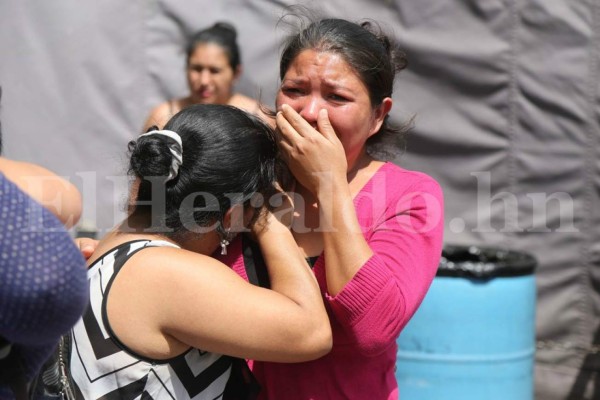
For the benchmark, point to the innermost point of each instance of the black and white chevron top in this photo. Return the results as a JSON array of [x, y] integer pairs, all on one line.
[[102, 367]]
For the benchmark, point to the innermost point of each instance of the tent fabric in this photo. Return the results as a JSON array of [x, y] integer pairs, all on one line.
[[505, 97]]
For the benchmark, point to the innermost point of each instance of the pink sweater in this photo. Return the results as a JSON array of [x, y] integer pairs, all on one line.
[[401, 213]]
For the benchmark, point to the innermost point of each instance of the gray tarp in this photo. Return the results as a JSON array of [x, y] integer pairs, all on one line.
[[505, 95]]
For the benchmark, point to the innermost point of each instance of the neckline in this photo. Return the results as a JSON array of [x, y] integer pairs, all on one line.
[[127, 243], [369, 182]]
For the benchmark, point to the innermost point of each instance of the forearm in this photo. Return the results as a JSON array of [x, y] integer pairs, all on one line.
[[405, 235], [345, 247], [291, 277], [289, 273]]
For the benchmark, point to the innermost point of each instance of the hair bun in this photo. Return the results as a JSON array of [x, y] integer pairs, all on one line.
[[226, 28], [150, 156]]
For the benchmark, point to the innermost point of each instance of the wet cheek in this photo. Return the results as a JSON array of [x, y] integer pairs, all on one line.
[[278, 101], [281, 99], [295, 104], [335, 122]]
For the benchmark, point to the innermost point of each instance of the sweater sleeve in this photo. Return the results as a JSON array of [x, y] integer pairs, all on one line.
[[42, 273], [405, 235]]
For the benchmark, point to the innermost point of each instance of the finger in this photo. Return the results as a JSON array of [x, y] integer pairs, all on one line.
[[86, 246], [285, 148], [299, 124], [279, 135], [325, 125], [87, 252], [287, 132]]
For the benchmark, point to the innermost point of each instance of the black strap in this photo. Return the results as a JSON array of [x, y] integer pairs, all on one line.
[[254, 263], [242, 385], [5, 347], [12, 371]]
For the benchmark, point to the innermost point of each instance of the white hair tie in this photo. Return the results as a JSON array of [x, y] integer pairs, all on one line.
[[175, 149]]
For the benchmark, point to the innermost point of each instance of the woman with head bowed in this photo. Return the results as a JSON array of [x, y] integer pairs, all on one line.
[[167, 320]]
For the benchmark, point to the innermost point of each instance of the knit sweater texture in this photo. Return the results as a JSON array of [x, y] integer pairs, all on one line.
[[401, 214]]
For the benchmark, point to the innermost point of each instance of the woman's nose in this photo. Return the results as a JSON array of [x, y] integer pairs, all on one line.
[[310, 109], [205, 77]]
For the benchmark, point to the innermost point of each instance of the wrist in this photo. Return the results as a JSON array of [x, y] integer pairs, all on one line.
[[337, 190]]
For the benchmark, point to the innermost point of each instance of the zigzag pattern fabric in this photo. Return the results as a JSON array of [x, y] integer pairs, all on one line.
[[102, 367]]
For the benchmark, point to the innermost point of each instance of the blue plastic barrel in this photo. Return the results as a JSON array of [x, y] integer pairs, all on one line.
[[473, 338]]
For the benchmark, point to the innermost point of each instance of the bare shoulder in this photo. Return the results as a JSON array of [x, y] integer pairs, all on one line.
[[244, 102], [160, 114], [182, 268], [252, 106]]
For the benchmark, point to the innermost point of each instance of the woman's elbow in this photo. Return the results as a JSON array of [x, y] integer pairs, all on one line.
[[314, 343], [323, 341], [70, 206]]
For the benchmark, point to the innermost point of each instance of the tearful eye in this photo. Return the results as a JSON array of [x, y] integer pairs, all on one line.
[[290, 90], [337, 97]]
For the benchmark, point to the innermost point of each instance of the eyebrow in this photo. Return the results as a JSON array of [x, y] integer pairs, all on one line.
[[295, 80], [333, 85], [327, 83]]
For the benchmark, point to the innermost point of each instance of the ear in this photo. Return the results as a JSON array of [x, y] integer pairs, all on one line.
[[238, 72], [379, 114], [236, 219]]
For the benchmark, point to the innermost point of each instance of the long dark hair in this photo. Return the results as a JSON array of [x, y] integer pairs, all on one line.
[[228, 156]]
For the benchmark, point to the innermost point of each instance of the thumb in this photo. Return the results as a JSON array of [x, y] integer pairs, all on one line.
[[87, 251], [325, 125], [86, 246]]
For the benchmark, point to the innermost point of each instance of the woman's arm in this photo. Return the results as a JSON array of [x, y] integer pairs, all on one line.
[[376, 279], [405, 233], [204, 304], [317, 160], [55, 193]]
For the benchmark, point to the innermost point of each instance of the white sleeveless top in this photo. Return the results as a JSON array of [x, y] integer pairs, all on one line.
[[103, 367]]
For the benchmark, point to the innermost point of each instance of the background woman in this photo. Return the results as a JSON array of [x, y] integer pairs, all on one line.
[[163, 314], [213, 67]]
